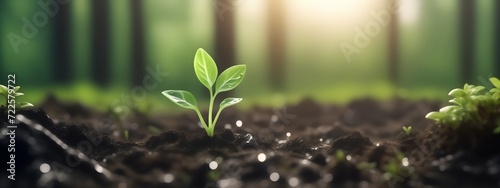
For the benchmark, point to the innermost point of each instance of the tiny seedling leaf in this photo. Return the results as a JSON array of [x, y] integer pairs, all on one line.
[[4, 90], [457, 93], [437, 116], [495, 82], [340, 155], [229, 102], [205, 68], [24, 104], [230, 78], [407, 130], [182, 98], [476, 89]]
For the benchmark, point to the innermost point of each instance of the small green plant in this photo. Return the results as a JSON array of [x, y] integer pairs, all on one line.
[[206, 71], [340, 155], [470, 105], [407, 130], [118, 113], [4, 91]]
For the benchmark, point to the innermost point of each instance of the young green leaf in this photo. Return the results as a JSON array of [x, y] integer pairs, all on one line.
[[182, 98], [229, 102], [205, 68], [230, 78], [407, 130], [24, 104], [495, 82], [457, 93], [437, 116], [4, 91]]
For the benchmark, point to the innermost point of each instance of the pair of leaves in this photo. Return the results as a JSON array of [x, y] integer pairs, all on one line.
[[206, 71], [4, 91], [407, 129], [186, 100]]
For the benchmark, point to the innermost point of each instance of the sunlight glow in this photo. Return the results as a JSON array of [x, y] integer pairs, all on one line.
[[409, 11]]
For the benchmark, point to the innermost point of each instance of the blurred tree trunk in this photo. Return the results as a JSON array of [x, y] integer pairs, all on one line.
[[138, 64], [467, 23], [100, 45], [61, 49], [496, 35], [224, 37], [276, 41], [394, 48]]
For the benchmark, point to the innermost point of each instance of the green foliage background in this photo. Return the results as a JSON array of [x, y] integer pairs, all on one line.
[[315, 66]]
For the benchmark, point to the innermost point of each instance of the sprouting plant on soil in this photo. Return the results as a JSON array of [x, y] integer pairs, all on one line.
[[407, 130], [396, 167], [470, 105], [340, 155], [117, 114], [5, 92], [206, 72]]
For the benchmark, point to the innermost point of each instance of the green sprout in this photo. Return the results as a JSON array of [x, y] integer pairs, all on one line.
[[340, 155], [407, 130], [5, 92], [206, 71], [470, 105], [117, 113]]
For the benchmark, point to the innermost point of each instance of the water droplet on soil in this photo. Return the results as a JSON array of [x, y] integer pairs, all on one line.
[[405, 162], [274, 176], [321, 139], [377, 144], [213, 165], [293, 182], [44, 168], [261, 157], [305, 162], [348, 157], [274, 118], [288, 134], [98, 168], [168, 178], [239, 123]]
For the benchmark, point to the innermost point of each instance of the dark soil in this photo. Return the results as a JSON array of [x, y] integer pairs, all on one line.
[[293, 146]]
